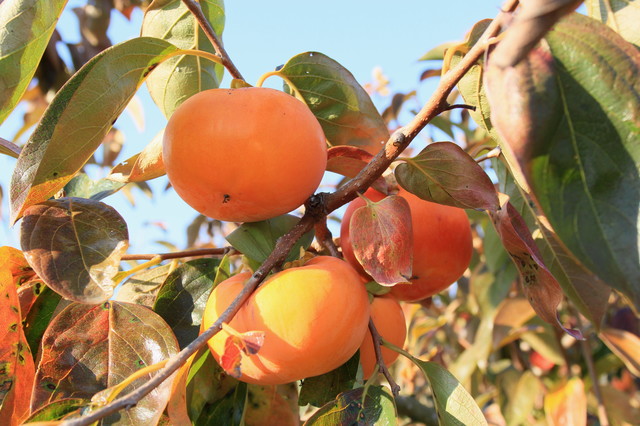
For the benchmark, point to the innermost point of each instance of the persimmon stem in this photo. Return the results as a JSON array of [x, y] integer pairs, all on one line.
[[377, 342], [317, 207], [222, 251], [196, 10]]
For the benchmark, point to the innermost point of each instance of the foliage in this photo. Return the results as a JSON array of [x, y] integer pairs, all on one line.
[[542, 149]]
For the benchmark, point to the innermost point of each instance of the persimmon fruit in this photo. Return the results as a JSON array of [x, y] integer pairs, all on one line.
[[442, 245], [244, 155], [388, 317], [314, 318]]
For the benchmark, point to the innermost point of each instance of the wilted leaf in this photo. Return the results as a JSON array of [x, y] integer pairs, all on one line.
[[533, 20], [88, 348], [248, 343], [539, 285], [621, 15], [343, 108], [179, 78], [16, 362], [349, 161], [24, 35], [567, 405], [177, 404], [256, 240], [574, 134], [75, 123], [143, 287], [320, 390], [443, 173], [625, 345], [9, 148], [75, 246], [183, 296], [57, 410], [382, 239], [146, 165], [355, 407]]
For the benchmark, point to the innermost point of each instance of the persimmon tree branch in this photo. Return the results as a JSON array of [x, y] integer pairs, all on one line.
[[377, 341], [221, 251], [196, 11], [317, 206]]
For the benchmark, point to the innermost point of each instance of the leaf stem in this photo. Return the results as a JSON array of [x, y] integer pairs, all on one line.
[[146, 265], [221, 251], [377, 341], [132, 378], [295, 90], [196, 10], [193, 52], [317, 207]]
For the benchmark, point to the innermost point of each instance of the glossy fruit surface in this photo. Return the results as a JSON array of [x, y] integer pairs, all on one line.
[[314, 318], [442, 245], [244, 155], [389, 320]]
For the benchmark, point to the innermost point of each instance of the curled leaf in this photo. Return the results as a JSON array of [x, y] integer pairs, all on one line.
[[382, 239], [75, 246]]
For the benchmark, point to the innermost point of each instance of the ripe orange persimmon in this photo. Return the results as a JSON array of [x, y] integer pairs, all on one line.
[[442, 245], [388, 317], [314, 318], [245, 154]]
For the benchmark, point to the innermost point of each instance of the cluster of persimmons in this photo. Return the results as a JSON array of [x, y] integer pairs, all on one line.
[[251, 154]]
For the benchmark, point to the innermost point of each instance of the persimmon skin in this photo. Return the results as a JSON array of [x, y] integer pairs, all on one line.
[[314, 318], [442, 245], [388, 317], [244, 155]]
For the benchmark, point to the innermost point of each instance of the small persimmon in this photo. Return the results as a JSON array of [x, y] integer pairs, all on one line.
[[244, 155], [388, 317], [313, 317], [442, 245]]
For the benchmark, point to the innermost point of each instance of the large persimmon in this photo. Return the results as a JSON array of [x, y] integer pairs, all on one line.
[[245, 154], [442, 245], [313, 317], [388, 317]]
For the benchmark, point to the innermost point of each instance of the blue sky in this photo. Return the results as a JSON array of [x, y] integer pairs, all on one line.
[[259, 36]]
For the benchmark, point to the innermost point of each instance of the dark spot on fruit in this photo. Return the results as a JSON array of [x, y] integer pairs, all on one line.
[[226, 198]]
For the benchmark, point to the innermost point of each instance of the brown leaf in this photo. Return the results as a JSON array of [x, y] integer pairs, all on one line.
[[75, 245], [531, 23], [567, 405], [539, 285], [625, 345], [349, 160], [382, 239], [17, 367]]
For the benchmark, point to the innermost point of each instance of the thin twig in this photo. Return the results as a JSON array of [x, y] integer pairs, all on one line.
[[377, 341], [585, 346], [196, 10], [221, 251], [318, 206], [460, 106], [324, 237]]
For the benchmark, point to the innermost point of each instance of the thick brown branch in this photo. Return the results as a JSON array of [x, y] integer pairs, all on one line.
[[377, 341], [317, 206], [324, 237], [196, 10], [180, 254]]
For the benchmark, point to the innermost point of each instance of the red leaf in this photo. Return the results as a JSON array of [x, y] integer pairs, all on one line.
[[14, 261], [252, 341], [382, 239], [539, 285], [231, 357], [348, 161], [17, 368]]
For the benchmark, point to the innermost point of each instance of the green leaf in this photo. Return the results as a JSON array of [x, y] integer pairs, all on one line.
[[75, 246], [256, 240], [183, 296], [57, 410], [226, 411], [35, 321], [26, 28], [343, 108], [518, 394], [78, 118], [179, 78], [575, 132], [443, 173], [320, 390], [88, 348], [438, 52], [82, 186], [621, 15], [361, 406], [454, 404]]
